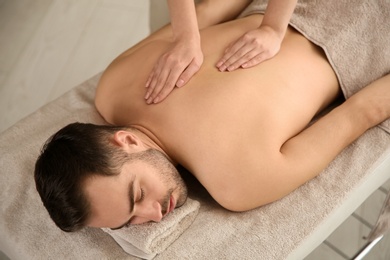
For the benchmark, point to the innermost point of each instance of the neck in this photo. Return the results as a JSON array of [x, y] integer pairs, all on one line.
[[151, 141]]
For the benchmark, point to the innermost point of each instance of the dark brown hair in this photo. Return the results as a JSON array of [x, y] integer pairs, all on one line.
[[71, 155]]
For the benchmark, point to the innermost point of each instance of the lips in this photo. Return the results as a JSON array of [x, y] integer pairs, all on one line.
[[171, 205]]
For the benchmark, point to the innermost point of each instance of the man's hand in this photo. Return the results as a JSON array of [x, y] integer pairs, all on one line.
[[174, 68], [251, 49]]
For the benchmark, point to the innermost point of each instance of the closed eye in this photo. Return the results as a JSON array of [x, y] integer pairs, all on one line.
[[142, 196]]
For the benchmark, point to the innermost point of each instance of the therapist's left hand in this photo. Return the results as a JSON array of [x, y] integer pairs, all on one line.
[[251, 49], [174, 68]]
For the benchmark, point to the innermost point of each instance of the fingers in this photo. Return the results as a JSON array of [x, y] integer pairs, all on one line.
[[241, 51], [249, 50], [238, 59], [161, 82], [244, 59], [231, 55], [249, 60], [173, 68], [187, 74]]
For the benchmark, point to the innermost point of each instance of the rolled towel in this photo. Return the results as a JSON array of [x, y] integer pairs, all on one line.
[[149, 239]]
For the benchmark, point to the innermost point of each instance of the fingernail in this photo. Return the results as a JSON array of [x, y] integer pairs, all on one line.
[[219, 64], [147, 95], [230, 68], [180, 83], [222, 68], [147, 83], [156, 100], [244, 65]]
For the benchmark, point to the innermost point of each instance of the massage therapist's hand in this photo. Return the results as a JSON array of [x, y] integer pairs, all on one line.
[[260, 44], [251, 49], [174, 68]]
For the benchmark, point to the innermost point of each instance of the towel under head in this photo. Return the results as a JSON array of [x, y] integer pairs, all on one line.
[[148, 240]]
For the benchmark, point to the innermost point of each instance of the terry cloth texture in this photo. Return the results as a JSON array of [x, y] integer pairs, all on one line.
[[148, 240], [355, 35]]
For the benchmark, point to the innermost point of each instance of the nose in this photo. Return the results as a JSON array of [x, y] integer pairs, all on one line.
[[148, 212]]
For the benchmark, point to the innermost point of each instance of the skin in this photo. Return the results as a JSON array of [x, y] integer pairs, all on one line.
[[179, 63], [183, 59], [244, 135], [156, 191], [262, 43]]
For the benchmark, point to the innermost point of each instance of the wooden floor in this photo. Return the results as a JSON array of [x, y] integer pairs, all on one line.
[[49, 46]]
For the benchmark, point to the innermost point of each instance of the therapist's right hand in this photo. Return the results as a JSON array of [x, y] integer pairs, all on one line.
[[174, 68]]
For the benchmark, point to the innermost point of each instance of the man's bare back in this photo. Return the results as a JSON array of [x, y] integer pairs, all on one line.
[[225, 127], [245, 135]]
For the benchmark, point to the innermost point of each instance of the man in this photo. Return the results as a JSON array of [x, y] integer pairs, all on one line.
[[243, 134]]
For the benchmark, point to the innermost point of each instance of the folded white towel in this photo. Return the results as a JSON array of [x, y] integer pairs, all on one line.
[[149, 239]]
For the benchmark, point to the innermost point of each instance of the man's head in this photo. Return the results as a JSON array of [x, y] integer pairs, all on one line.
[[85, 173]]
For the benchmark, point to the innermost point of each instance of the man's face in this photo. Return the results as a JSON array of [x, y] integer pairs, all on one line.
[[145, 190]]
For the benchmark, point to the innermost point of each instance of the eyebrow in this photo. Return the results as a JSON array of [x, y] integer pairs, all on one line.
[[130, 193]]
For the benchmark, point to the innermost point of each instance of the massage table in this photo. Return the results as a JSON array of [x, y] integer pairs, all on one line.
[[289, 228]]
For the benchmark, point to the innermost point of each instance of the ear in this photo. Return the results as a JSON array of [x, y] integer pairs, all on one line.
[[128, 140]]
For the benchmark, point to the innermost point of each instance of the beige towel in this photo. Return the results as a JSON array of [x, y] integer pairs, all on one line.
[[150, 239], [355, 35]]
